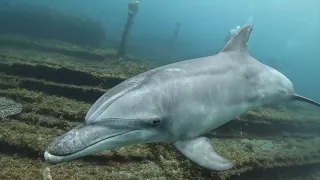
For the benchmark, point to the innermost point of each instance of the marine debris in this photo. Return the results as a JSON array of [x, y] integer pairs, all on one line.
[[56, 91]]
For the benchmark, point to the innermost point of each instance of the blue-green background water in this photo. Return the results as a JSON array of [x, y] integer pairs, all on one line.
[[285, 36]]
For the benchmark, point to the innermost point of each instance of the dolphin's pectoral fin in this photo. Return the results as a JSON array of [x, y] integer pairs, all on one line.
[[200, 151]]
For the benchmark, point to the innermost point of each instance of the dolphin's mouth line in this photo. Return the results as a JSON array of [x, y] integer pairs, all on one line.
[[90, 145]]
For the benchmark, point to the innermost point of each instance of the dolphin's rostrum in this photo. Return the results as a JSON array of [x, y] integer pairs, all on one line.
[[178, 103]]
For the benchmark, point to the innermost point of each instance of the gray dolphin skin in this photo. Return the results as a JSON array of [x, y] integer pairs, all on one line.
[[178, 103]]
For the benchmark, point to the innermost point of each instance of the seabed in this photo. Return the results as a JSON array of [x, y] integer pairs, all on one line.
[[57, 82]]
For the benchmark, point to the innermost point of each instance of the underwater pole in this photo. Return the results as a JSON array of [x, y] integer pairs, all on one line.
[[172, 45], [132, 11]]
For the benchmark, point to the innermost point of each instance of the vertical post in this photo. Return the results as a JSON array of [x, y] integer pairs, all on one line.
[[132, 11], [172, 45]]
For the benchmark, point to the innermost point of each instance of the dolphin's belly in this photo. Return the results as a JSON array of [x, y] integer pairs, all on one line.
[[197, 119], [220, 116]]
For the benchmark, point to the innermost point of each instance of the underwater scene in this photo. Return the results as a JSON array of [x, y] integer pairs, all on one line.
[[159, 90]]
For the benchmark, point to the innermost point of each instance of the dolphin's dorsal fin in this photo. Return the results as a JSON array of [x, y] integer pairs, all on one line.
[[238, 43]]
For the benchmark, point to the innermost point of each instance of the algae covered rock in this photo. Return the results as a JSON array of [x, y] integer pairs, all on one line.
[[9, 107]]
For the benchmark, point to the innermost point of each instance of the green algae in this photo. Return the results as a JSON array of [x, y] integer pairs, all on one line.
[[83, 93], [80, 170], [283, 114], [39, 102], [108, 64], [23, 67]]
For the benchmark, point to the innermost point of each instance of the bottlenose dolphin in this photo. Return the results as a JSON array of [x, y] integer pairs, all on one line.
[[178, 103]]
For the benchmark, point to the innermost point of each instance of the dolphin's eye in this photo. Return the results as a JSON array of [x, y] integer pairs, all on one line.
[[156, 122]]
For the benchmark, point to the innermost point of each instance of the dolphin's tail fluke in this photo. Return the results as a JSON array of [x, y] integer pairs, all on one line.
[[304, 99]]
